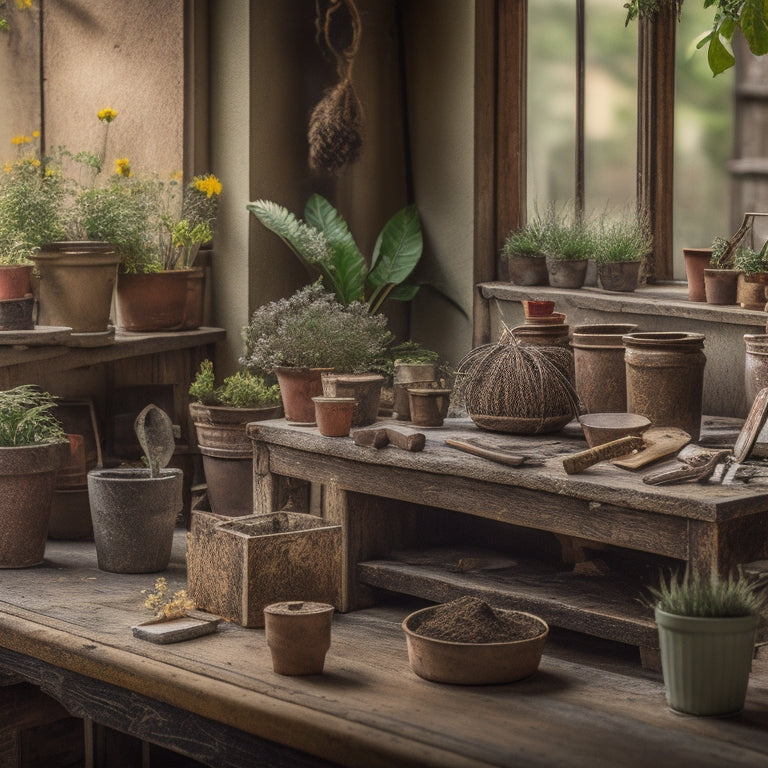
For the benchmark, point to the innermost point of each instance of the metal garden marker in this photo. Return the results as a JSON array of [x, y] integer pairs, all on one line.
[[155, 432]]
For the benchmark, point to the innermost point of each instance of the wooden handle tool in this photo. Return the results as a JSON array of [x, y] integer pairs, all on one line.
[[407, 439], [487, 453], [371, 438], [578, 462]]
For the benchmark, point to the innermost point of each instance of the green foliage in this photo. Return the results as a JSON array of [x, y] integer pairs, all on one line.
[[312, 329], [709, 597], [240, 390], [751, 16], [407, 352], [622, 239], [26, 418], [527, 240], [751, 262], [324, 244], [566, 236]]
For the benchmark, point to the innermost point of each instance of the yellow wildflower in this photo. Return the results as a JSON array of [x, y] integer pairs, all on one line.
[[35, 134], [7, 168], [106, 115], [123, 167], [208, 184], [22, 4], [177, 176], [20, 139], [34, 162]]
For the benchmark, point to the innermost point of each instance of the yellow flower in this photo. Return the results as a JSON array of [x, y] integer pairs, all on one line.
[[20, 139], [22, 4], [123, 167], [7, 168], [35, 134], [106, 115], [177, 176], [35, 162], [208, 184]]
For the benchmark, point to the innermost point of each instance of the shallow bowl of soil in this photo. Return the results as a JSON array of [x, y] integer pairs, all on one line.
[[466, 642]]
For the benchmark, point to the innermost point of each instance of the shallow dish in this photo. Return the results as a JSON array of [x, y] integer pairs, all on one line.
[[600, 428], [443, 661]]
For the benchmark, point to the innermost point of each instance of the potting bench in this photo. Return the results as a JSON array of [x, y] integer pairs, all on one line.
[[441, 523]]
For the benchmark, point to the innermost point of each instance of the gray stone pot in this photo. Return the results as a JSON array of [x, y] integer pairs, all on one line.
[[133, 517]]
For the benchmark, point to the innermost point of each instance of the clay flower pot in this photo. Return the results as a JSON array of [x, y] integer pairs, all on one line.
[[155, 301], [538, 308], [696, 261], [528, 270], [15, 281], [721, 285], [297, 388], [567, 273], [334, 415], [409, 375], [298, 635], [750, 291], [619, 276], [429, 407], [17, 314], [365, 388]]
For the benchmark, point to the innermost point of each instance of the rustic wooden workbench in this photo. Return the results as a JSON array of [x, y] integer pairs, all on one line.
[[412, 522], [65, 627]]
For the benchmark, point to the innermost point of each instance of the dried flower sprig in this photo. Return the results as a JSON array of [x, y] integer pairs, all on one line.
[[164, 606]]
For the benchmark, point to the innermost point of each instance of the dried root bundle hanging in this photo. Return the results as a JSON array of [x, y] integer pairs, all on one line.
[[508, 387], [337, 122]]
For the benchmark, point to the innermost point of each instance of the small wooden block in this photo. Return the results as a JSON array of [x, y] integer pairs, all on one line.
[[187, 627], [371, 438], [408, 440]]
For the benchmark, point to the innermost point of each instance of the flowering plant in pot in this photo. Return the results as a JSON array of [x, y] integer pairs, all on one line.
[[707, 627], [33, 447], [309, 333], [221, 414]]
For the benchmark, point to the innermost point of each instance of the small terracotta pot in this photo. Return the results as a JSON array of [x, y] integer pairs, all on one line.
[[720, 286], [154, 301], [15, 281], [297, 388], [409, 375], [365, 388], [298, 635], [750, 291], [696, 261], [193, 306], [538, 308], [334, 415], [429, 407]]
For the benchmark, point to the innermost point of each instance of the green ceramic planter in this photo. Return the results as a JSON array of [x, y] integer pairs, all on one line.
[[706, 662]]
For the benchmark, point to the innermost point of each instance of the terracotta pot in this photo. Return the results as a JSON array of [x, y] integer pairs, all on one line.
[[334, 415], [17, 314], [429, 407], [600, 371], [75, 283], [528, 270], [750, 291], [15, 281], [228, 454], [720, 285], [665, 378], [444, 661], [299, 636], [538, 308], [696, 261], [409, 374], [133, 517], [297, 387], [27, 481], [621, 276], [566, 274], [193, 307], [533, 335], [755, 364], [154, 301], [364, 388]]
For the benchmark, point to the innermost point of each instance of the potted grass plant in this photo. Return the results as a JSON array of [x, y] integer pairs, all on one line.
[[33, 447], [707, 628], [524, 253], [308, 334], [621, 244], [220, 415], [569, 244]]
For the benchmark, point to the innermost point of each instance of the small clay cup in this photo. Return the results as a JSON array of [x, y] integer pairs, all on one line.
[[429, 406], [538, 308], [298, 635], [334, 415]]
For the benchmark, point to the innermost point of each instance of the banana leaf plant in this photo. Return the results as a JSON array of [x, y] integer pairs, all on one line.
[[324, 244]]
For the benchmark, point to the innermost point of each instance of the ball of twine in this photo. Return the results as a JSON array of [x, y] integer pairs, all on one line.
[[336, 129], [518, 388]]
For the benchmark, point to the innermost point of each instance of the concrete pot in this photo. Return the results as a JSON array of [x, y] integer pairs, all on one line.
[[298, 635], [133, 517], [528, 270], [17, 314], [565, 273], [721, 286], [409, 374], [621, 276], [27, 481]]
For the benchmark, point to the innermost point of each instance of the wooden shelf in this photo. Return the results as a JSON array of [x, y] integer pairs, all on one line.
[[603, 606]]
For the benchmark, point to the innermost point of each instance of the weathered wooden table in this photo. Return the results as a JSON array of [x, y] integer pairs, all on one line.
[[65, 626], [441, 523]]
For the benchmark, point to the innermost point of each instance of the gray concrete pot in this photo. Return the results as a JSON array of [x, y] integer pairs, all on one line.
[[133, 517]]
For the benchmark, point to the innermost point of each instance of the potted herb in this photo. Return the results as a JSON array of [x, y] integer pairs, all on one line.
[[569, 244], [324, 244], [308, 334], [707, 627], [621, 244], [753, 276], [524, 252], [33, 447], [220, 414], [721, 277]]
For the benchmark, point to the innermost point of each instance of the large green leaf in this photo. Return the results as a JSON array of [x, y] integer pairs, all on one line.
[[348, 264], [754, 25], [398, 248]]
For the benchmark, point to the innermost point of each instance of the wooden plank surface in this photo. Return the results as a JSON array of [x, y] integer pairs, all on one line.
[[589, 704]]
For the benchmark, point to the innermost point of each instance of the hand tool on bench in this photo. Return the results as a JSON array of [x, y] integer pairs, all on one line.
[[401, 437], [659, 443], [698, 467], [494, 454], [578, 462]]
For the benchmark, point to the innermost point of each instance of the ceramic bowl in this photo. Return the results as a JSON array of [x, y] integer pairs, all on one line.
[[443, 661], [602, 428]]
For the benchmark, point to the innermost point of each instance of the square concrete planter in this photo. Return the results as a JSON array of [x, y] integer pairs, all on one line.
[[238, 566]]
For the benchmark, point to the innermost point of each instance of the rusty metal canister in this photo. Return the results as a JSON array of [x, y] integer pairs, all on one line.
[[665, 378], [755, 364], [601, 379]]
